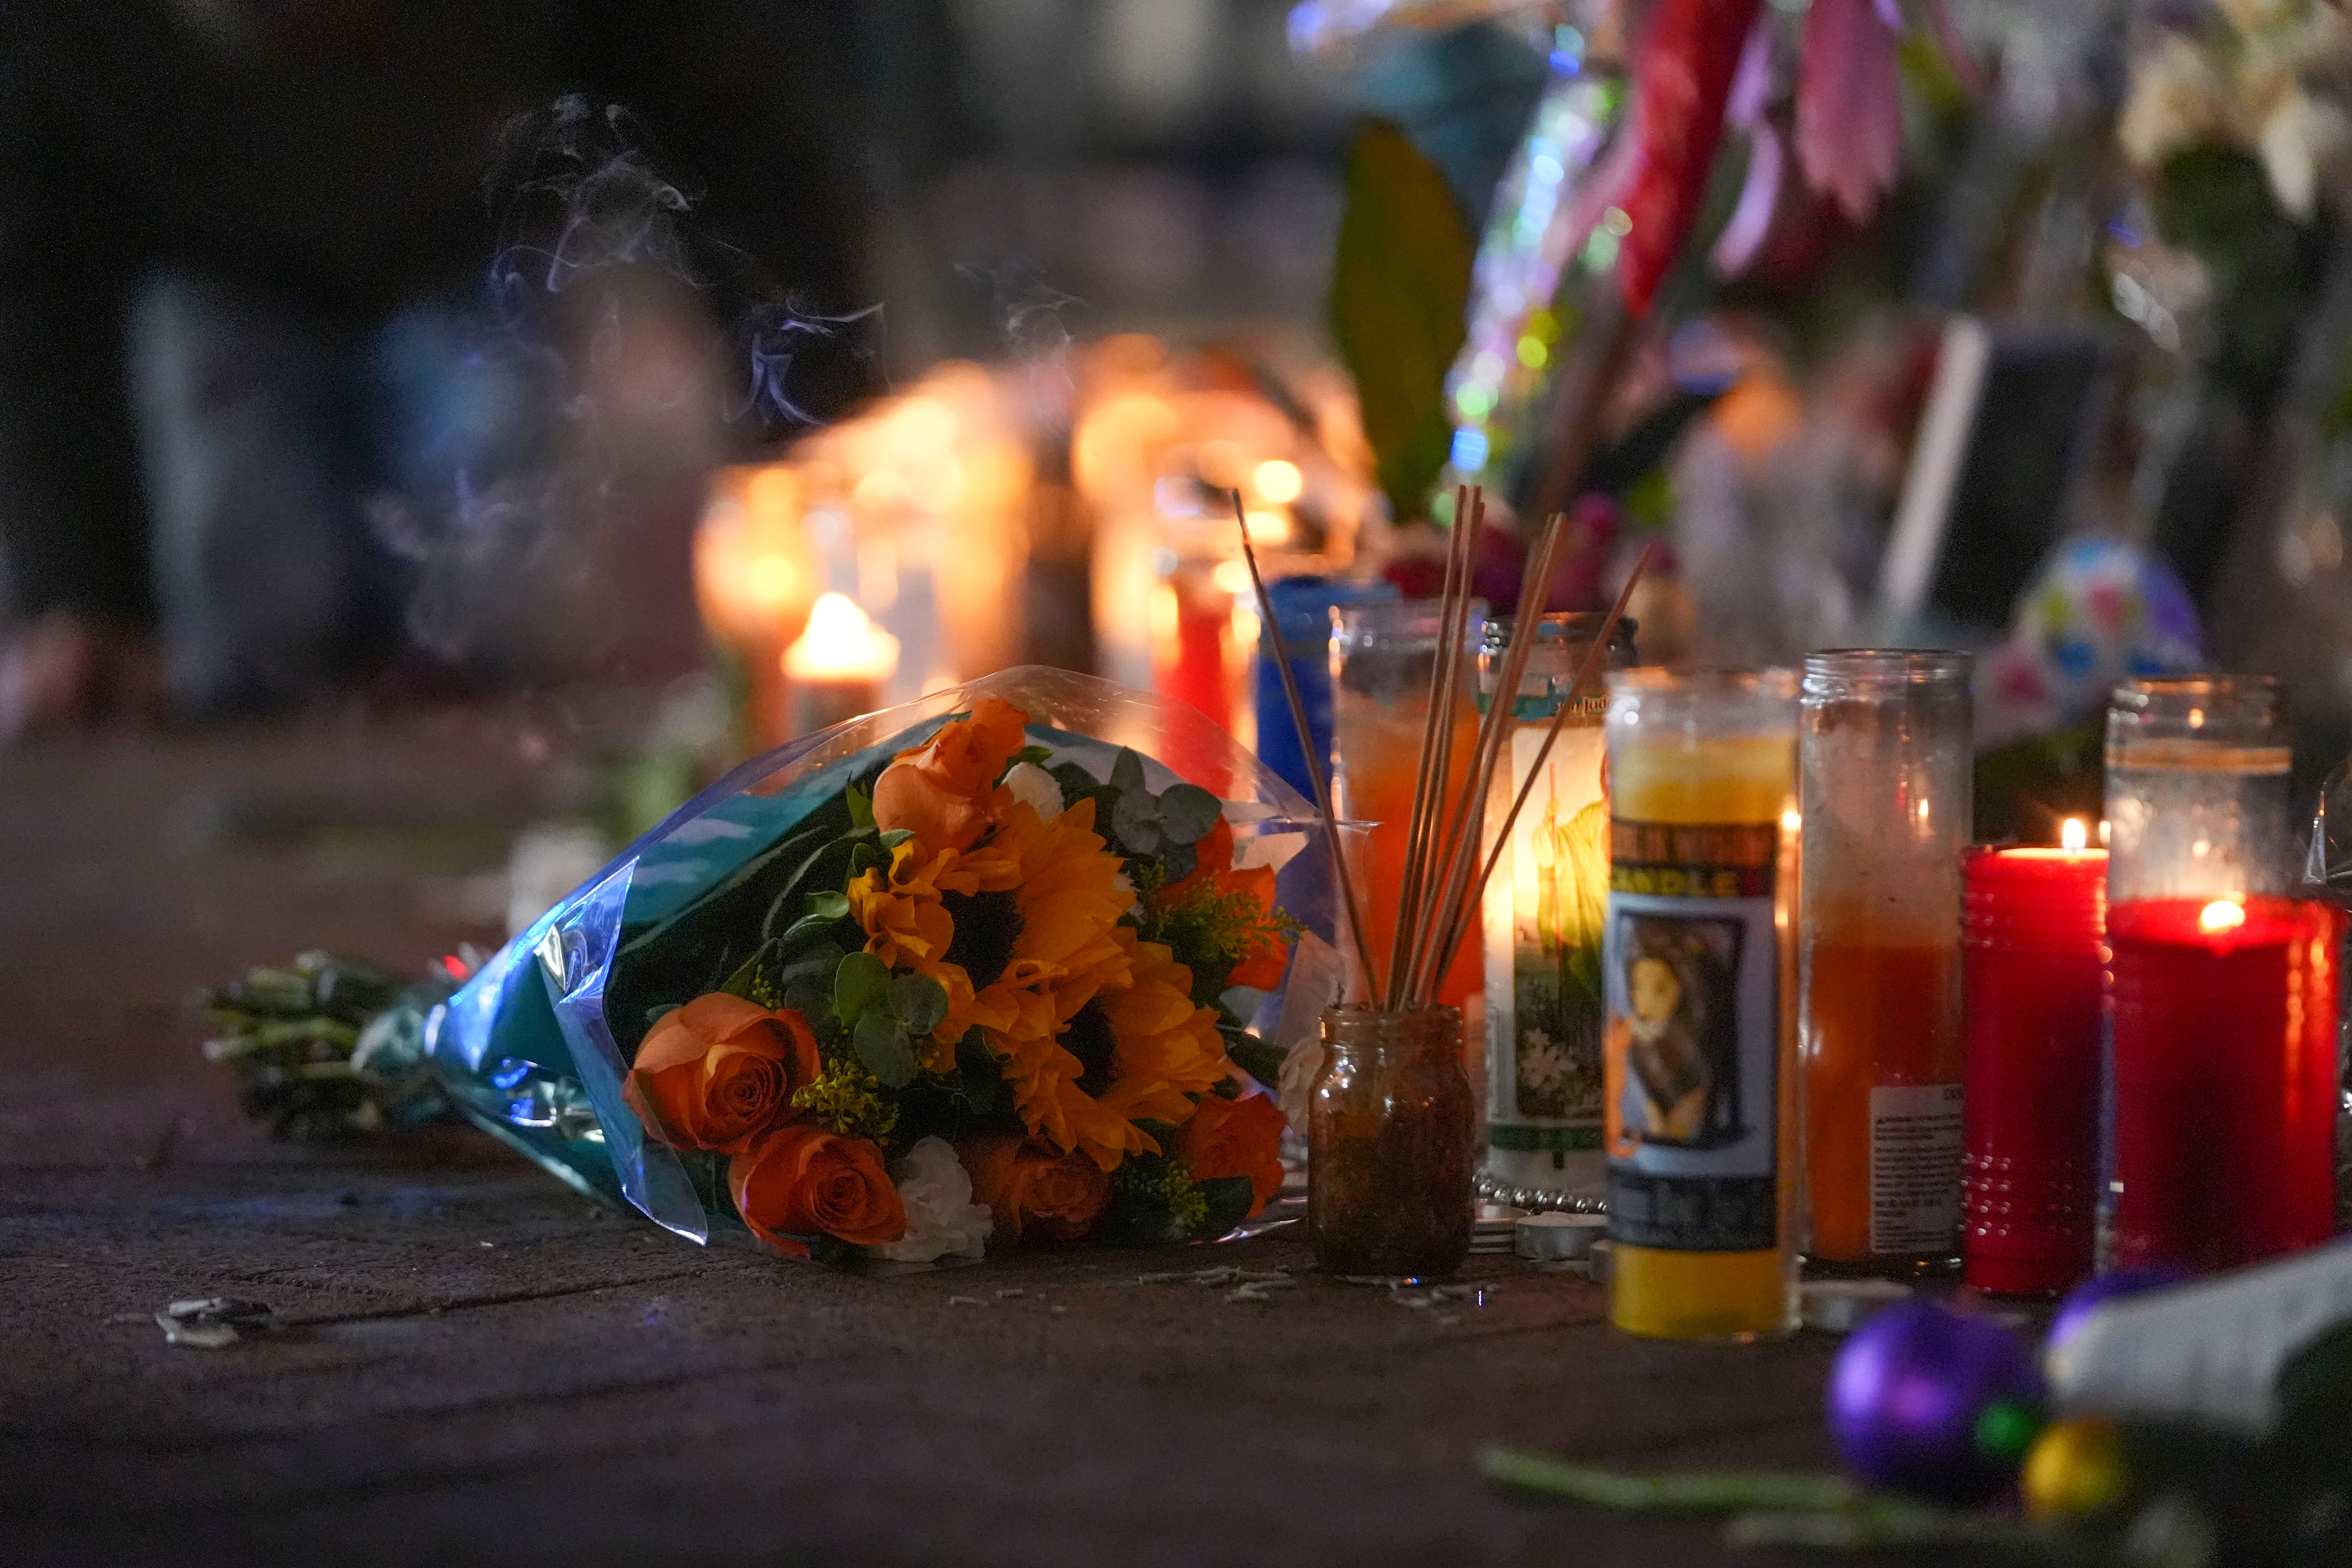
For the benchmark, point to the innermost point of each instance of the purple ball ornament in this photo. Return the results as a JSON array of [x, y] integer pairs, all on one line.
[[2114, 1286], [1908, 1399]]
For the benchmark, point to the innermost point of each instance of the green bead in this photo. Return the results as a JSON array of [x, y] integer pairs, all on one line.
[[2008, 1427]]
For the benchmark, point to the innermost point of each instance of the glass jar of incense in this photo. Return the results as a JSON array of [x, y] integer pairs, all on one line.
[[1391, 1125]]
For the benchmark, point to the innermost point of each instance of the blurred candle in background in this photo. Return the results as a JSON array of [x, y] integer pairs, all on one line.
[[839, 665], [1303, 606], [755, 577], [2035, 919]]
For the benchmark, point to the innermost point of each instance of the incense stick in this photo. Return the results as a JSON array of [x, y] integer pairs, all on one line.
[[1423, 796], [1445, 682], [1595, 659], [1459, 852], [1315, 769]]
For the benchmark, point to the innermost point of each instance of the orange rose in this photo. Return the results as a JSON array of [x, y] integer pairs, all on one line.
[[800, 1180], [718, 1071], [1235, 1138], [941, 790], [1031, 1190]]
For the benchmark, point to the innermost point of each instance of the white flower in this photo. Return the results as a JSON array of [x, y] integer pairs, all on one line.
[[941, 1218], [1035, 788]]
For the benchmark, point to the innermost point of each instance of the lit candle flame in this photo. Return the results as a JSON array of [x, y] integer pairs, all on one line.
[[842, 644], [2073, 837], [2220, 915]]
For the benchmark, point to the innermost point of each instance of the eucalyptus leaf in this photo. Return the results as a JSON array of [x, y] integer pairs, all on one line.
[[920, 1001], [832, 906], [861, 984], [1187, 812], [882, 1045], [896, 836], [1126, 771], [1136, 820]]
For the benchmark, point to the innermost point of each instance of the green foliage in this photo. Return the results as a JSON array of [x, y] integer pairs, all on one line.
[[884, 1015], [1400, 305], [1146, 823], [848, 1098]]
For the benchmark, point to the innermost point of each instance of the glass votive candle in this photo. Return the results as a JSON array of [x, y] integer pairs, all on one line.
[[1303, 609], [2034, 923], [1885, 768], [1696, 1061], [2222, 1073], [1542, 914], [1382, 656]]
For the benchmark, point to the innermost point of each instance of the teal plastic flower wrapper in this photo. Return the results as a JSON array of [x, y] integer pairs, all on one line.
[[535, 1047]]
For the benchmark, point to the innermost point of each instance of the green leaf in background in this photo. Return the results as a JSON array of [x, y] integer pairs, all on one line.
[[1400, 305], [861, 807]]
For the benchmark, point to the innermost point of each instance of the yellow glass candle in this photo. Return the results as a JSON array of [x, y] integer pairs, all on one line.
[[1700, 1051]]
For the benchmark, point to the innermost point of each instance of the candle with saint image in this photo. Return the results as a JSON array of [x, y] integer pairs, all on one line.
[[838, 665]]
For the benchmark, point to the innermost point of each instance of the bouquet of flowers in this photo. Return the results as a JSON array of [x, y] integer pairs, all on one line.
[[970, 973]]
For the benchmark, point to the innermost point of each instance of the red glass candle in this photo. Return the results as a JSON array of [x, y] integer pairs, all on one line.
[[2224, 1080], [2031, 1106]]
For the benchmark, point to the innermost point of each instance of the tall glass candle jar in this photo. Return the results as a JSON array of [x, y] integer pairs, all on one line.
[[2222, 1079], [2035, 922], [1887, 765], [1390, 1146], [1382, 656], [1542, 916], [1695, 966]]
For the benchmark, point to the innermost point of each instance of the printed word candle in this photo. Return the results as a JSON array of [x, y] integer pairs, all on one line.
[[2223, 1072], [838, 666], [1694, 1062], [2035, 919]]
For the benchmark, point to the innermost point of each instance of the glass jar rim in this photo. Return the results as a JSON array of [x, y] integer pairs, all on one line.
[[2142, 691], [1830, 667]]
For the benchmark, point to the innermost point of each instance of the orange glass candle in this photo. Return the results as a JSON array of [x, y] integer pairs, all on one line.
[[1884, 763], [1383, 656]]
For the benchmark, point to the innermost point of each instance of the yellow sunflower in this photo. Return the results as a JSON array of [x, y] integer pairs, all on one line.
[[1039, 902], [1134, 1049]]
